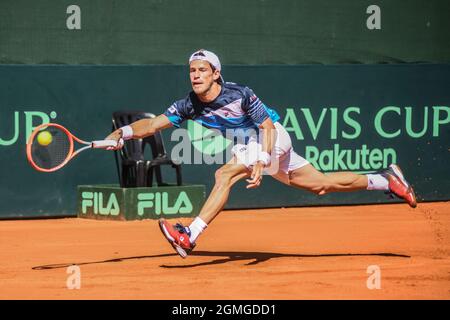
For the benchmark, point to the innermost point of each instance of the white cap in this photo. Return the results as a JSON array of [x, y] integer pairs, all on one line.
[[209, 56]]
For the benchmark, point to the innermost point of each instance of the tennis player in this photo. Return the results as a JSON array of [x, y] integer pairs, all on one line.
[[227, 106]]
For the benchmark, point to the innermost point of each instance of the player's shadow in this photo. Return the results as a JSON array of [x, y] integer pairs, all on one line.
[[224, 257], [258, 257]]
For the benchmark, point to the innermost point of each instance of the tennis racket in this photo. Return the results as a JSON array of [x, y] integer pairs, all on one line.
[[51, 146]]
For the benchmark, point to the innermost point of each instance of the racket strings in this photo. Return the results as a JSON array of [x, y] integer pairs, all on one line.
[[52, 151]]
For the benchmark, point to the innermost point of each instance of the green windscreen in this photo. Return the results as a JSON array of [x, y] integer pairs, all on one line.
[[241, 32]]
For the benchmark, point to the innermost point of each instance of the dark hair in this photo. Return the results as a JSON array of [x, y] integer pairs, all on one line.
[[199, 53]]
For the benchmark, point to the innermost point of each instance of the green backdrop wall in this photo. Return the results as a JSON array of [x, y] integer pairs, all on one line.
[[242, 32], [342, 116]]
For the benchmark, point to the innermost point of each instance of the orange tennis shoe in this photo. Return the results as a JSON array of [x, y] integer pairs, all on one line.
[[178, 236]]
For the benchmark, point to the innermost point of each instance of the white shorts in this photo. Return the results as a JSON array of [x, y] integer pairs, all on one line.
[[283, 157]]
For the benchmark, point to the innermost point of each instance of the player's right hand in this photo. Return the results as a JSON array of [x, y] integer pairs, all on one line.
[[256, 176], [117, 136]]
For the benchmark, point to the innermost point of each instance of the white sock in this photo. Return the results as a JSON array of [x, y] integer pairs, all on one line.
[[377, 182], [196, 227]]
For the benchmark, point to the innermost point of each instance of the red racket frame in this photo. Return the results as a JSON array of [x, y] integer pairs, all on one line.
[[70, 154]]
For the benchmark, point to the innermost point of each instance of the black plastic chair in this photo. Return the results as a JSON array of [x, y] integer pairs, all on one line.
[[132, 167]]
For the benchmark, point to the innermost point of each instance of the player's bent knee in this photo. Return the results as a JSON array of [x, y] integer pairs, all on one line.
[[223, 176], [219, 175], [228, 175]]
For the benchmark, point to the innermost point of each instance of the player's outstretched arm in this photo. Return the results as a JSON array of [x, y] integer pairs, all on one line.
[[141, 128]]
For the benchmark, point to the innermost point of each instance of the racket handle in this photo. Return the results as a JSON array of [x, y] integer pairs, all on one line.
[[103, 144]]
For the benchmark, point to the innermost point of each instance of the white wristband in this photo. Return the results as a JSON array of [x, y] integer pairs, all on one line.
[[264, 157], [127, 133]]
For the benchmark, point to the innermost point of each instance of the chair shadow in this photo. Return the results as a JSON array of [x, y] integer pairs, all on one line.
[[225, 257]]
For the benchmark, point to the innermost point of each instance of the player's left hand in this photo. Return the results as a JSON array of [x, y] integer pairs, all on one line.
[[256, 176]]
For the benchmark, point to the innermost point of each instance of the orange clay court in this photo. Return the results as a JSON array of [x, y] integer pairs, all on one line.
[[296, 253]]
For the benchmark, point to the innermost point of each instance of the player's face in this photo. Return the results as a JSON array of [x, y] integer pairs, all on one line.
[[202, 76]]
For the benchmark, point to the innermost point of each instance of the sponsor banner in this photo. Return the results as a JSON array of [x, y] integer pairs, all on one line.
[[356, 118], [339, 153], [110, 202]]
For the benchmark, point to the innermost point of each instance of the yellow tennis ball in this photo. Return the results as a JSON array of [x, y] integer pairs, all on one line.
[[44, 138]]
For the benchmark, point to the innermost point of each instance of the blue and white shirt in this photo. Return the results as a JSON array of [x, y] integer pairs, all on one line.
[[236, 107]]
